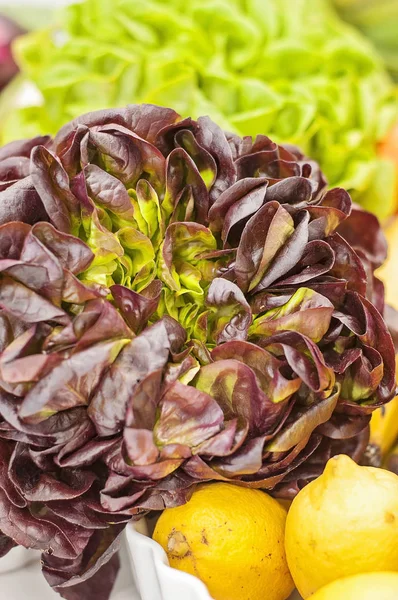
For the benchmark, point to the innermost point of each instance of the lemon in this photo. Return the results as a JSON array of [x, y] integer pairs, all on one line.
[[343, 523], [232, 538], [366, 586]]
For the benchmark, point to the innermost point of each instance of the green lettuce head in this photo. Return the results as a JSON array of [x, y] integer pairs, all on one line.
[[291, 69]]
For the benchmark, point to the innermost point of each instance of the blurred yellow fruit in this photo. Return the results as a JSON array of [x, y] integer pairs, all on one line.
[[384, 427], [343, 523], [388, 272], [384, 424], [388, 149], [232, 539], [366, 586]]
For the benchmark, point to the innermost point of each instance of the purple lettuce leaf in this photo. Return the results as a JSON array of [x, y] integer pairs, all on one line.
[[232, 316], [145, 354], [6, 544], [19, 201], [52, 184], [137, 308], [95, 570]]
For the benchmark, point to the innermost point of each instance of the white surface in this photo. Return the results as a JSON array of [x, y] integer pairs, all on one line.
[[29, 584], [16, 559]]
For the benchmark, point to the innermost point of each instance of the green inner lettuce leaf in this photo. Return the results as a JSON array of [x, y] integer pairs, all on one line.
[[291, 69]]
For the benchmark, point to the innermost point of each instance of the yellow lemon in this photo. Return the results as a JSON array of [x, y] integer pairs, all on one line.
[[343, 523], [232, 538], [366, 586]]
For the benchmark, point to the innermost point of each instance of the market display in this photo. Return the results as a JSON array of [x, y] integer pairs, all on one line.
[[198, 322]]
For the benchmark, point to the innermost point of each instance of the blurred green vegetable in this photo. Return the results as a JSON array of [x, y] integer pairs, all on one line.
[[291, 69], [378, 21]]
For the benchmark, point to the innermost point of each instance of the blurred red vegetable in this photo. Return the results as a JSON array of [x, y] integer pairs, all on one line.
[[9, 30]]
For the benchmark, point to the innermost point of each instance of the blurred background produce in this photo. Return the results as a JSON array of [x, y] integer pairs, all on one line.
[[378, 20], [383, 432], [9, 30], [388, 272], [292, 70], [388, 150]]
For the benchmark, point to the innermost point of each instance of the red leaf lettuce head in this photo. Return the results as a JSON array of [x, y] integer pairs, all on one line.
[[177, 305]]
